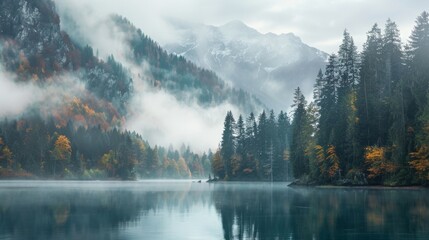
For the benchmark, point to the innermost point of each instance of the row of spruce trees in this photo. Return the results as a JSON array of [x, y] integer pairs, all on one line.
[[254, 149], [368, 123]]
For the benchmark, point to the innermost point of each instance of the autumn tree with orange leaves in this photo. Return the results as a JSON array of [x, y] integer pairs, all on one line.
[[377, 162], [61, 153], [420, 162], [328, 161]]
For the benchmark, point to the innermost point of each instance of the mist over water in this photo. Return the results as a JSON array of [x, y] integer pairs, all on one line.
[[172, 209]]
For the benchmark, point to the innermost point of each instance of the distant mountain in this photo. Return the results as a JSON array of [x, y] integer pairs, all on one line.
[[268, 65], [180, 77]]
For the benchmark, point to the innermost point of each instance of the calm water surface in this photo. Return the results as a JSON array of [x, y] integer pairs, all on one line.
[[187, 210]]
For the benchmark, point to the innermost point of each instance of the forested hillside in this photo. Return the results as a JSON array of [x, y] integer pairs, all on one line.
[[75, 129], [368, 124]]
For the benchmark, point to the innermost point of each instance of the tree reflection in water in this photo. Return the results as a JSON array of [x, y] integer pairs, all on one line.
[[277, 212], [245, 211]]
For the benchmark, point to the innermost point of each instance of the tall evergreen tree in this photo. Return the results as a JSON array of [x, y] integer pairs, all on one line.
[[393, 93], [348, 77], [369, 92], [300, 135], [392, 57], [281, 160], [251, 133], [228, 143], [241, 145], [417, 85], [241, 137], [348, 64], [250, 161], [418, 53], [272, 145], [262, 143], [327, 103]]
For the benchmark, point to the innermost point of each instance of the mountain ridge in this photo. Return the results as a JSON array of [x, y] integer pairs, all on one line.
[[268, 65]]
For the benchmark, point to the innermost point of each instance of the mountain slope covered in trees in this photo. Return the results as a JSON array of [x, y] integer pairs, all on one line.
[[72, 129]]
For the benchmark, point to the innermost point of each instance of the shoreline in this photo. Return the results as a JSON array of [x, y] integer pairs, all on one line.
[[286, 184], [332, 186], [374, 187]]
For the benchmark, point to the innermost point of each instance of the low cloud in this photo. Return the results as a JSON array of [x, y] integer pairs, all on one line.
[[16, 97], [157, 115]]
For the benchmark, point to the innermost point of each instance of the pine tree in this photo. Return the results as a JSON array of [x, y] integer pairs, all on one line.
[[369, 89], [241, 137], [262, 144], [251, 133], [348, 64], [416, 96], [317, 91], [249, 161], [394, 91], [241, 142], [327, 103], [272, 146], [392, 57], [418, 53], [228, 143], [281, 165], [300, 136]]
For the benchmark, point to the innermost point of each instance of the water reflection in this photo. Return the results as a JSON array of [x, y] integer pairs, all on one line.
[[186, 210], [277, 213]]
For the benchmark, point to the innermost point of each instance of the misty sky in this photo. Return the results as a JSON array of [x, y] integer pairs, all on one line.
[[319, 23]]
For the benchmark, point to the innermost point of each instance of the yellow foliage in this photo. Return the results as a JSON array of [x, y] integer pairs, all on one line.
[[108, 162], [329, 163], [420, 162], [183, 168], [89, 111], [374, 153], [320, 153], [320, 157], [7, 155], [217, 164], [62, 148], [334, 161], [378, 165]]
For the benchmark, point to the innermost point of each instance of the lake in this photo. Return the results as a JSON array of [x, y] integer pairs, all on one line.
[[189, 210]]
